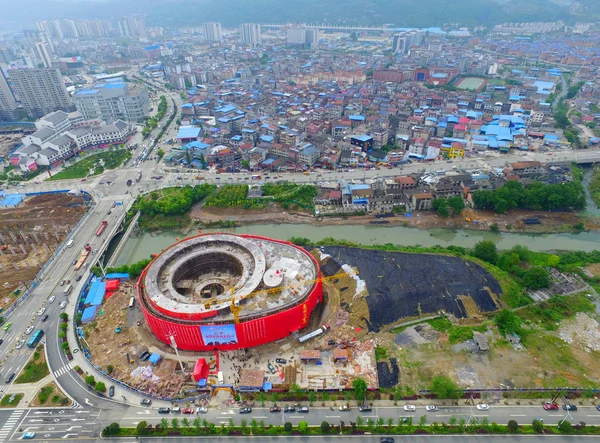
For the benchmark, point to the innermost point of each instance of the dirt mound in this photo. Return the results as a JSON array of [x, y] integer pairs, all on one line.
[[408, 285]]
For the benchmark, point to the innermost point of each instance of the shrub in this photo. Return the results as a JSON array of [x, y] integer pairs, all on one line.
[[100, 387], [287, 427], [537, 426], [325, 427], [90, 380], [512, 426], [142, 428], [565, 427], [112, 429]]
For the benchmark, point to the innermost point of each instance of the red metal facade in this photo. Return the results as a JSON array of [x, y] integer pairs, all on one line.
[[249, 333]]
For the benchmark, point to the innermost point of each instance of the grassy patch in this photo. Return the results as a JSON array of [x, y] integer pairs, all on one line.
[[50, 395], [93, 164], [161, 221], [36, 368], [595, 186], [44, 394], [380, 353], [7, 402], [441, 324], [548, 314], [456, 333]]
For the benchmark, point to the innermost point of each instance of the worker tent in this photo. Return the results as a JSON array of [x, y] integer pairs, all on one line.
[[119, 275], [201, 369], [95, 295], [112, 285], [89, 314]]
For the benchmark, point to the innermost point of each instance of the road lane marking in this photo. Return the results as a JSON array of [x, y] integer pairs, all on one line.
[[518, 415], [261, 417], [333, 416]]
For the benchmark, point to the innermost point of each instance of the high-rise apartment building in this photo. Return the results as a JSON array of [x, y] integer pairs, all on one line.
[[132, 26], [302, 37], [40, 91], [8, 104], [212, 31], [113, 100], [250, 34], [42, 54], [402, 42]]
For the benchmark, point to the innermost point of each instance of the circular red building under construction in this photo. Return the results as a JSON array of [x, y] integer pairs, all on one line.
[[225, 291]]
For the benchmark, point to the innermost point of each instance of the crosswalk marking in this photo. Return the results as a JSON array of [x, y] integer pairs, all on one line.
[[12, 421], [62, 371]]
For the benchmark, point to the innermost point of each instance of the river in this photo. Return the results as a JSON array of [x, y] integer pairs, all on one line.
[[142, 246], [138, 248]]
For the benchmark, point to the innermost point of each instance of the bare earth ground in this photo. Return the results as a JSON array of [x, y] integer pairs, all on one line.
[[511, 222], [51, 215]]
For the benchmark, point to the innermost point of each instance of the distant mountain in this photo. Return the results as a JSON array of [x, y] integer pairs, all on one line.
[[401, 13]]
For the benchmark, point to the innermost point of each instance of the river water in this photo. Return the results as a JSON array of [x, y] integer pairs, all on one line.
[[142, 246]]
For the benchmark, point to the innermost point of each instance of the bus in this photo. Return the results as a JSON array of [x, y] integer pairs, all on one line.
[[70, 244], [35, 338], [131, 302], [68, 290]]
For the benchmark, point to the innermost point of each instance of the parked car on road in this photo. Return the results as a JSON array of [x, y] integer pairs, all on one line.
[[275, 409], [482, 407], [146, 402], [201, 410], [431, 408], [569, 407], [410, 408], [245, 410], [164, 410], [187, 411], [111, 391]]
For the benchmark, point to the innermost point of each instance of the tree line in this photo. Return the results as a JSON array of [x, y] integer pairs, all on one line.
[[536, 196], [177, 201]]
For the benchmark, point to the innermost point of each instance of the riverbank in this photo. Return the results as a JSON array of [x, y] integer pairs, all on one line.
[[550, 222]]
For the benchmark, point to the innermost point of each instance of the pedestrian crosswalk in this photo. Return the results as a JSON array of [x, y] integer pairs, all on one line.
[[62, 371], [12, 421]]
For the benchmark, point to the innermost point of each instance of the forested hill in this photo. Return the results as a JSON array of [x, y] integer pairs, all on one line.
[[399, 13]]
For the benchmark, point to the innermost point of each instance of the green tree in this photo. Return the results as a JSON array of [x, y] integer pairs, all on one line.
[[197, 425], [456, 203], [423, 420], [185, 422], [507, 322], [538, 426], [245, 164], [303, 427], [494, 227], [512, 426], [486, 251], [175, 424], [360, 421], [64, 316], [244, 425], [160, 153], [287, 427], [112, 429], [443, 387], [536, 278], [100, 387], [164, 424], [360, 388], [90, 380], [142, 428], [325, 427], [565, 427], [440, 206]]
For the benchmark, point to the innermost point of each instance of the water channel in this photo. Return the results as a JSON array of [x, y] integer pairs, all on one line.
[[142, 246]]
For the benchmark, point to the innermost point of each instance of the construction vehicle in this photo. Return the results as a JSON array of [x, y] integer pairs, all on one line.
[[82, 258], [103, 226], [323, 329]]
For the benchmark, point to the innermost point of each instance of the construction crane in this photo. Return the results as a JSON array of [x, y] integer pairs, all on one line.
[[235, 309]]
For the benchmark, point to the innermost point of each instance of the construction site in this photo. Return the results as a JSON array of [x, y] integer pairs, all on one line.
[[31, 228]]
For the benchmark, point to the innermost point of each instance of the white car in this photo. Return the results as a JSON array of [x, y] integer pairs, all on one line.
[[482, 407], [63, 305], [41, 312], [410, 408], [20, 344], [51, 299], [29, 330], [201, 410], [431, 408]]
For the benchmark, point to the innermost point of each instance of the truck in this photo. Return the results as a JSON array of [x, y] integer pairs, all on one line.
[[315, 333], [81, 261], [101, 228], [87, 247]]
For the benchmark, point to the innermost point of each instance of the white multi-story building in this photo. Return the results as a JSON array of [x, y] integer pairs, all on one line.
[[250, 34], [113, 100]]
